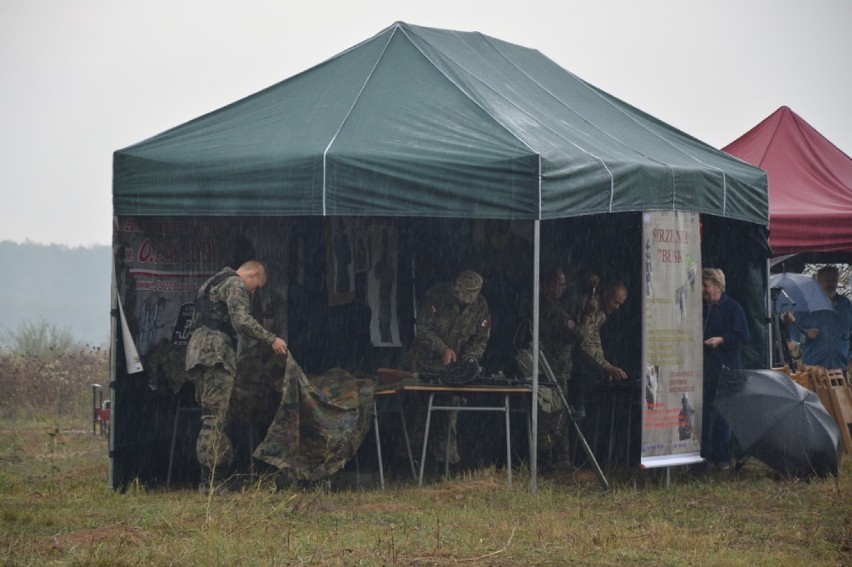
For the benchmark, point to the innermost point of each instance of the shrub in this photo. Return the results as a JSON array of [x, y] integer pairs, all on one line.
[[58, 385], [38, 339]]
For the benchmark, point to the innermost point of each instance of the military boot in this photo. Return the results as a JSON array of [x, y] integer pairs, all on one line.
[[212, 482], [561, 455], [545, 462]]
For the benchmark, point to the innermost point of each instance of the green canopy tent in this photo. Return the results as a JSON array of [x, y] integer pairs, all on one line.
[[422, 122], [426, 122]]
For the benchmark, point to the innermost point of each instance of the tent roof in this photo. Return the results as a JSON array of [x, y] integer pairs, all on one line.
[[430, 122], [810, 183]]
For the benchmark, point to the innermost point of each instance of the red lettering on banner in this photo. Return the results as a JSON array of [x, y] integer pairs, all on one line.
[[669, 235], [146, 252], [171, 252], [128, 225], [670, 256]]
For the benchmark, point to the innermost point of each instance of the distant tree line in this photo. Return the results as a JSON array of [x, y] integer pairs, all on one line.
[[67, 287]]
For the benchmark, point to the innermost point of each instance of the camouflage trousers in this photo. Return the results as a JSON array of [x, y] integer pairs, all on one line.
[[443, 427], [213, 389], [553, 422]]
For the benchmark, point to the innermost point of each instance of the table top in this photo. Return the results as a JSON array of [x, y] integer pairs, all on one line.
[[482, 388]]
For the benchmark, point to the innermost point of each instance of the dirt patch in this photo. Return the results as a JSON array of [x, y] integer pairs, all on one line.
[[459, 490], [113, 534]]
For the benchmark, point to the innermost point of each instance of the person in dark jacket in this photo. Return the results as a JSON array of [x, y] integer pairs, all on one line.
[[725, 332], [824, 335]]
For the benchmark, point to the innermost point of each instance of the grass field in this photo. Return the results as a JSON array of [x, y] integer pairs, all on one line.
[[56, 509]]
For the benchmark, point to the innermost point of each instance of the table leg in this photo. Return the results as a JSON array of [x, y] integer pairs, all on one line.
[[528, 410], [378, 444], [425, 439], [447, 446], [407, 442], [508, 439], [614, 401]]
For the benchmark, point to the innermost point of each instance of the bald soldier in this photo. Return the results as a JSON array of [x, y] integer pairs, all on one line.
[[592, 319], [589, 357], [222, 310]]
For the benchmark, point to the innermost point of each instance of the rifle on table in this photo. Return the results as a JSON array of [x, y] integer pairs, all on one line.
[[456, 373], [388, 376]]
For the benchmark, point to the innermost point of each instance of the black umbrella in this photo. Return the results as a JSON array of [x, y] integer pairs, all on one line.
[[779, 422]]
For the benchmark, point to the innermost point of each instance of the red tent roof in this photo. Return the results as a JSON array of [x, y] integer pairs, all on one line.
[[810, 184]]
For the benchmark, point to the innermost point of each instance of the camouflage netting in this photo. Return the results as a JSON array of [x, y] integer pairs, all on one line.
[[258, 386], [320, 424]]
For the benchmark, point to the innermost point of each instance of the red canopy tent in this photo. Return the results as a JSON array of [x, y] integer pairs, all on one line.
[[810, 184]]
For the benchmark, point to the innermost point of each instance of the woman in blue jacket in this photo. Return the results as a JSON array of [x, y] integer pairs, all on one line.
[[725, 331]]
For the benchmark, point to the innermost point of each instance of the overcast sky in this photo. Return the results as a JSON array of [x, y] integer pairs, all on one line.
[[83, 78]]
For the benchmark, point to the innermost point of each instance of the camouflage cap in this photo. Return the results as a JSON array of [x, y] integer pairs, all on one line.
[[468, 284]]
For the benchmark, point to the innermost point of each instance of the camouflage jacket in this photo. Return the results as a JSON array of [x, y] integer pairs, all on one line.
[[229, 302], [591, 347], [442, 323]]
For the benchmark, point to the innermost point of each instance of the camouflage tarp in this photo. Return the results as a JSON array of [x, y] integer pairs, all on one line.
[[257, 386], [319, 425]]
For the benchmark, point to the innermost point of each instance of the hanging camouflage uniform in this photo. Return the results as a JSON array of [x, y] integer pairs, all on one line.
[[222, 310], [454, 317]]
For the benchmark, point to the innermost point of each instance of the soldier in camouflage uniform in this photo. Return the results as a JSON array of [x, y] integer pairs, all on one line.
[[222, 309], [592, 319], [558, 336], [453, 324], [590, 360]]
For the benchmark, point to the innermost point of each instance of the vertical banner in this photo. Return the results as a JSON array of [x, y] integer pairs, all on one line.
[[673, 345], [163, 264]]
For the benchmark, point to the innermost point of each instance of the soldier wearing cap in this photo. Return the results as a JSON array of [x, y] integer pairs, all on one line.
[[453, 324]]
